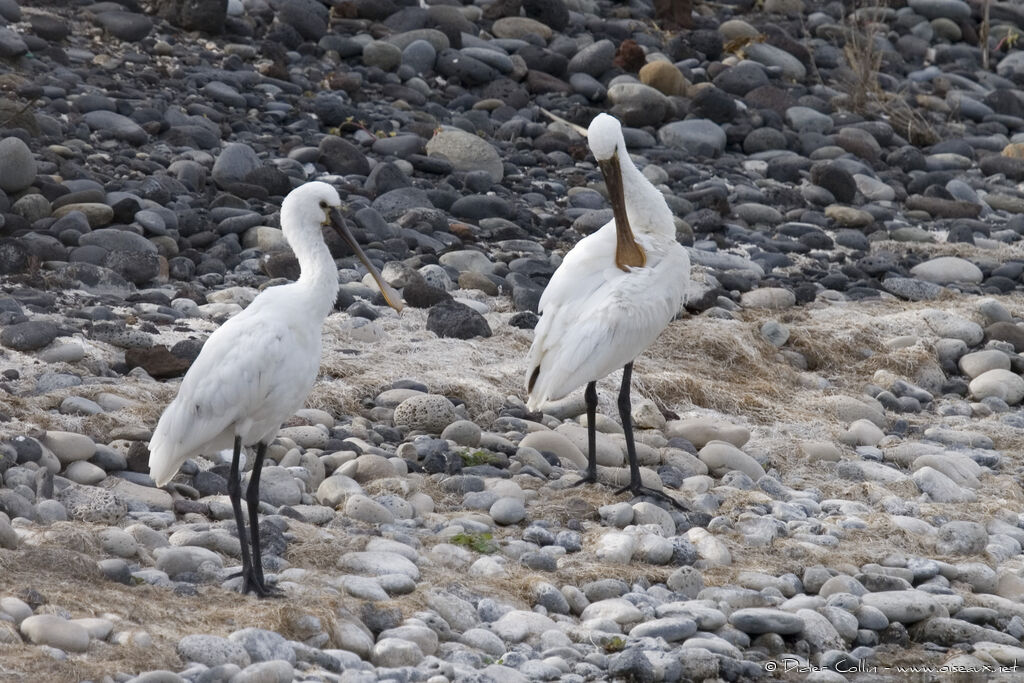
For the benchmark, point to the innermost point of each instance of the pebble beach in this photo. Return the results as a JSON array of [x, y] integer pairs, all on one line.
[[838, 406]]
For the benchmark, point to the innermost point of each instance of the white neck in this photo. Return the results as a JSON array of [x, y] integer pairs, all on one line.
[[318, 280], [645, 205]]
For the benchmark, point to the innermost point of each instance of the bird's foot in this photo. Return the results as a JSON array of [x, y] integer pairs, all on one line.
[[640, 490], [254, 583], [588, 478]]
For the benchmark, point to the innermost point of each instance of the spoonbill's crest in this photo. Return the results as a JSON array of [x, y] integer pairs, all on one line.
[[604, 136]]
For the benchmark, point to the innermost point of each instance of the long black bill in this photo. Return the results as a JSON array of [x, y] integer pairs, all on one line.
[[391, 296], [627, 252]]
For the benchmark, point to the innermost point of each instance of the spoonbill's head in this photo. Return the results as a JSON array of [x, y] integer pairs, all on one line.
[[315, 205], [309, 205], [604, 136]]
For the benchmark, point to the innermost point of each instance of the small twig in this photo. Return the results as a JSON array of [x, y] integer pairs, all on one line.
[[19, 112], [983, 36], [558, 119]]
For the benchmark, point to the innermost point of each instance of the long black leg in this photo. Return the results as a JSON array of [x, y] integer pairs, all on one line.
[[252, 498], [235, 494], [625, 413], [590, 396]]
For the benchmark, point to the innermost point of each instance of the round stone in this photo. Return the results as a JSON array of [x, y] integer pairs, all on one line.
[[507, 511], [463, 433], [697, 137], [722, 457], [1003, 384], [426, 412], [766, 620], [467, 152], [17, 165], [212, 651], [946, 270], [980, 362], [48, 629], [367, 510], [396, 652]]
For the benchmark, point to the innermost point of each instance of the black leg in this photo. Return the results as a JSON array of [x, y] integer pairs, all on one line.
[[590, 396], [235, 494], [625, 413], [252, 498]]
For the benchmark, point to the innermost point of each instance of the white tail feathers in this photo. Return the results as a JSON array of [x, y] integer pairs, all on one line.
[[164, 453], [162, 470]]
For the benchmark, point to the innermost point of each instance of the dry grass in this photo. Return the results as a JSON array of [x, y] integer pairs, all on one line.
[[71, 581], [479, 371], [699, 366], [316, 548], [863, 93]]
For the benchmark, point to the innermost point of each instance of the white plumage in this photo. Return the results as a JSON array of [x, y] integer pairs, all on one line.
[[608, 301], [257, 368], [253, 373], [596, 317]]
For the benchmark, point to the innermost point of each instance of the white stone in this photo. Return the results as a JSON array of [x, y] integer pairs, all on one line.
[[15, 608], [609, 453], [710, 548], [519, 625], [952, 326], [554, 442], [862, 433], [367, 510], [616, 547], [335, 489], [507, 510], [48, 629], [946, 270], [119, 542], [722, 457], [378, 563], [646, 415], [768, 297], [700, 430], [980, 362], [1000, 383], [619, 610], [69, 446], [649, 513], [85, 473]]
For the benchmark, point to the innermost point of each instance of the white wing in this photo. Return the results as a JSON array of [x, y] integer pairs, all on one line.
[[596, 317], [252, 374]]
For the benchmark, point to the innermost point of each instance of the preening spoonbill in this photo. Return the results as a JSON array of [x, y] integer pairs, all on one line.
[[613, 294], [256, 369]]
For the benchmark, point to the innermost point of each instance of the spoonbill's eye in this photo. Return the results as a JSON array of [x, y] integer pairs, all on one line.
[[323, 204]]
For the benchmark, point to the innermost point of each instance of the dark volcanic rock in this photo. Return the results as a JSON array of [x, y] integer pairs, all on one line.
[[194, 15], [554, 13], [32, 335], [836, 180], [158, 361], [127, 26], [452, 319], [341, 156], [14, 257], [1007, 332]]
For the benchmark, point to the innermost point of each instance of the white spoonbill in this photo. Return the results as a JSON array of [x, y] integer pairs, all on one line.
[[257, 368], [613, 294]]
